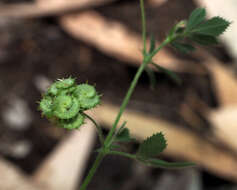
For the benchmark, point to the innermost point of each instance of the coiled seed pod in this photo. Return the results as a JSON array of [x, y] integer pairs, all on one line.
[[73, 123], [46, 106], [87, 96], [65, 83], [64, 102], [65, 107]]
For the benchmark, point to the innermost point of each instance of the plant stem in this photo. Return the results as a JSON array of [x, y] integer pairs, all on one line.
[[99, 129], [125, 102], [92, 171], [164, 43], [116, 133], [143, 25], [132, 156], [107, 142], [135, 80], [147, 58]]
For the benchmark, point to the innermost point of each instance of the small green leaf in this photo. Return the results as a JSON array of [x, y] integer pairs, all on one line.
[[213, 27], [152, 77], [152, 146], [171, 74], [168, 165], [152, 44], [123, 135], [121, 127], [196, 17], [204, 40], [182, 47]]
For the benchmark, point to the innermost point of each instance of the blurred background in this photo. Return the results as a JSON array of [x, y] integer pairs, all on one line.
[[99, 41]]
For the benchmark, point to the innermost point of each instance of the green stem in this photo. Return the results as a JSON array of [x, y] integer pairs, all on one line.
[[99, 129], [92, 171], [132, 156], [125, 102], [134, 82], [143, 26], [147, 59], [108, 141], [164, 43], [116, 133]]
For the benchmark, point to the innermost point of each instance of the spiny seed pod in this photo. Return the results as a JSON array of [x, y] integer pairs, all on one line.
[[87, 96], [73, 123], [65, 107], [46, 106], [64, 102], [65, 83]]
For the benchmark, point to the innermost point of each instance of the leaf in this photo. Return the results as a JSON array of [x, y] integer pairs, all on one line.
[[168, 165], [204, 39], [123, 136], [213, 27], [182, 47], [152, 44], [171, 74], [152, 146], [196, 17], [152, 77]]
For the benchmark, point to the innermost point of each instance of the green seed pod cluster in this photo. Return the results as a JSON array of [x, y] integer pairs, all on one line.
[[65, 101]]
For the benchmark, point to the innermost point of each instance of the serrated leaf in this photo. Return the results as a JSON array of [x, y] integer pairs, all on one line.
[[152, 146], [182, 47], [152, 44], [213, 27], [204, 39], [152, 77], [167, 165], [196, 17], [171, 74]]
